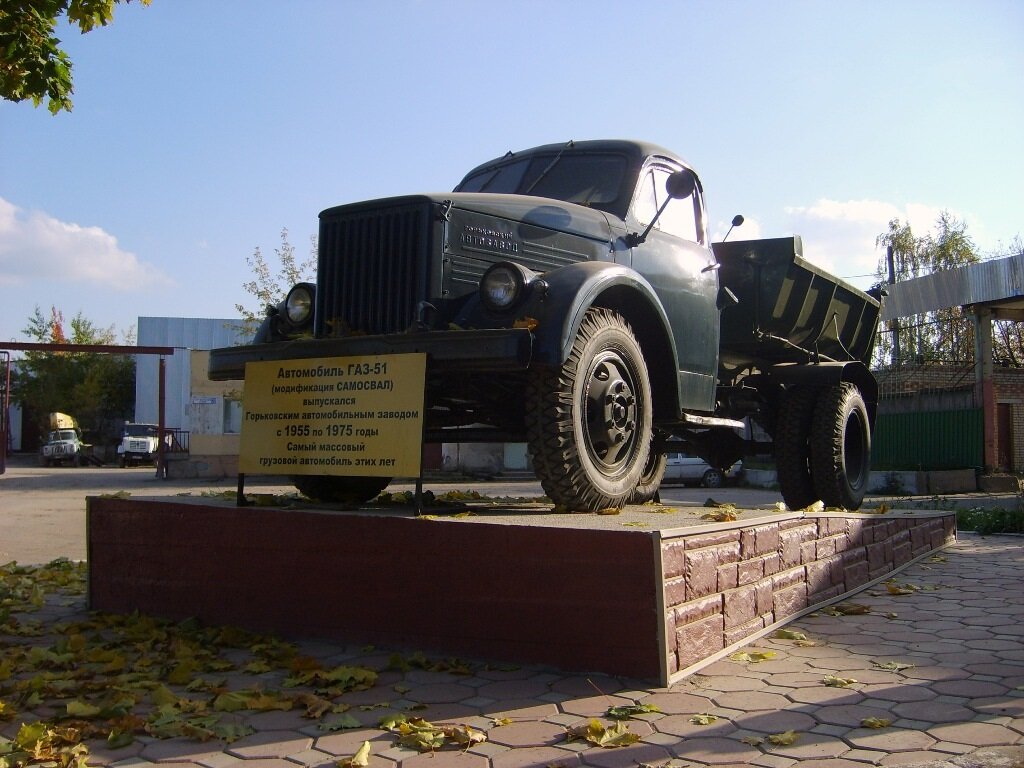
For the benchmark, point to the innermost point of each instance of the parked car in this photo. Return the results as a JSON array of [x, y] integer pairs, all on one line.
[[693, 470]]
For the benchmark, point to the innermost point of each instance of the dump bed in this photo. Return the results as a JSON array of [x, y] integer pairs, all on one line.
[[790, 310]]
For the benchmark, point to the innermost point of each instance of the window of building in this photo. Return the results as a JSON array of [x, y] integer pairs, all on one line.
[[232, 416]]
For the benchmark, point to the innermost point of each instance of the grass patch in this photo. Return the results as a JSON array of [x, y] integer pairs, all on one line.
[[985, 521]]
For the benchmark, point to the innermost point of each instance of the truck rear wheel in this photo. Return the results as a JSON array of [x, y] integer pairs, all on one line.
[[589, 421], [841, 447], [650, 481], [338, 488], [792, 446]]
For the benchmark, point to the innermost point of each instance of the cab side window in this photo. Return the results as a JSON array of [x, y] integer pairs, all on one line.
[[681, 217]]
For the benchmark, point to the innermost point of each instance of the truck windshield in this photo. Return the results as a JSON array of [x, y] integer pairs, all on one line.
[[583, 178], [140, 430]]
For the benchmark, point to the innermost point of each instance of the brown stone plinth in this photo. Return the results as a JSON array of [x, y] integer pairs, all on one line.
[[577, 599], [582, 596]]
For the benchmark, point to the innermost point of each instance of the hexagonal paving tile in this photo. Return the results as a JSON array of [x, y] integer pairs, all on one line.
[[683, 726], [975, 734], [933, 711], [528, 734], [716, 751], [849, 714], [531, 757], [750, 701], [270, 744], [890, 739], [626, 757], [776, 722]]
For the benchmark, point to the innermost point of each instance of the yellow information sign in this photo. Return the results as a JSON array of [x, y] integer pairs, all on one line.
[[334, 416]]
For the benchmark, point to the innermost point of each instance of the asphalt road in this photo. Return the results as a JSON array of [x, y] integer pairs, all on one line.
[[42, 509]]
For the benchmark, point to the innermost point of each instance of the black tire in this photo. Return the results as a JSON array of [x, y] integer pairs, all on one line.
[[650, 481], [337, 488], [588, 422], [792, 446], [713, 478], [841, 447]]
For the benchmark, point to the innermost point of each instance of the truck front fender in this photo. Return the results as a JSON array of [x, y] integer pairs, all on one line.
[[574, 289], [559, 299]]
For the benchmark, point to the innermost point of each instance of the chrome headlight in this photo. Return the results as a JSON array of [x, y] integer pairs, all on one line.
[[504, 285], [298, 307]]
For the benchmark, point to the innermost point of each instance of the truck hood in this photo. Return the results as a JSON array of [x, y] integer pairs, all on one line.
[[555, 215], [544, 212]]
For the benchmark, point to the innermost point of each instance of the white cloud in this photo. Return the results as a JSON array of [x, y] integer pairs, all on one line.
[[36, 246], [840, 236]]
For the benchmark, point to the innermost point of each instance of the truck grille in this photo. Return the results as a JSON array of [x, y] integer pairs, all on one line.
[[373, 268]]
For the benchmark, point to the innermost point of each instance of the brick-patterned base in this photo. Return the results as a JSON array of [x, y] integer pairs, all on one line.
[[642, 604], [726, 585]]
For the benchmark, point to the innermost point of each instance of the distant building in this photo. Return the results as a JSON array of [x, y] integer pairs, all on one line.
[[211, 412]]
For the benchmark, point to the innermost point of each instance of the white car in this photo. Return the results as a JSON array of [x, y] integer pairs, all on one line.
[[693, 470]]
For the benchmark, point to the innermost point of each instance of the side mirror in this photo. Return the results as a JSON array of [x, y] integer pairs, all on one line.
[[680, 184]]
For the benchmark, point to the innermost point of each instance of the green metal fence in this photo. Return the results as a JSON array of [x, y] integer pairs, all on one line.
[[928, 440]]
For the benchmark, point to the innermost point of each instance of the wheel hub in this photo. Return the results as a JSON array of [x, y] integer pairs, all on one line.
[[611, 412]]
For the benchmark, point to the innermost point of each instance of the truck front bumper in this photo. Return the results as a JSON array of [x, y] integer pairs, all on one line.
[[499, 349]]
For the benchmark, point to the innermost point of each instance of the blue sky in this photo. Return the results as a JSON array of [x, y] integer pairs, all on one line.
[[201, 129]]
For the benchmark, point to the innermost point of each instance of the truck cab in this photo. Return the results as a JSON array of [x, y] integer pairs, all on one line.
[[139, 443]]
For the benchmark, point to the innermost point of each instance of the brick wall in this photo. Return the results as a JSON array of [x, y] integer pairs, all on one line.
[[726, 585]]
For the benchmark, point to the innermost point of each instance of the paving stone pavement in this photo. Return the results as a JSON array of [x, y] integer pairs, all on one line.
[[942, 662]]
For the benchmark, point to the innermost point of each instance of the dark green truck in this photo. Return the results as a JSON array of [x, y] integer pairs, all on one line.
[[569, 297]]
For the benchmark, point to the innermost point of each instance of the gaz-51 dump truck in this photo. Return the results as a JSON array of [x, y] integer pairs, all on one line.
[[569, 297]]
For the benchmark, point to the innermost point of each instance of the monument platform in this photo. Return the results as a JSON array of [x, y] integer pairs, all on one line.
[[651, 593]]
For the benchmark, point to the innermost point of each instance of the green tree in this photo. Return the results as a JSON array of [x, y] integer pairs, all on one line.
[[32, 63], [97, 389], [1008, 335], [944, 335], [270, 285]]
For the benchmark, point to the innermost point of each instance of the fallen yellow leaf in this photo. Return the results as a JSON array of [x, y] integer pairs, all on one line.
[[360, 759], [834, 681]]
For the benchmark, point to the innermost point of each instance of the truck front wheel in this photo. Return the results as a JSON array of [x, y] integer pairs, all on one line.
[[841, 447], [792, 446], [337, 488], [589, 421]]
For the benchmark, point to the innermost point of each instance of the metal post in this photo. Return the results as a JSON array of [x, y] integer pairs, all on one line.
[[161, 448], [894, 324], [983, 382]]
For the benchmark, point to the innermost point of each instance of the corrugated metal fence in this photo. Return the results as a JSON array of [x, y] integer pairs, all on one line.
[[928, 440]]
